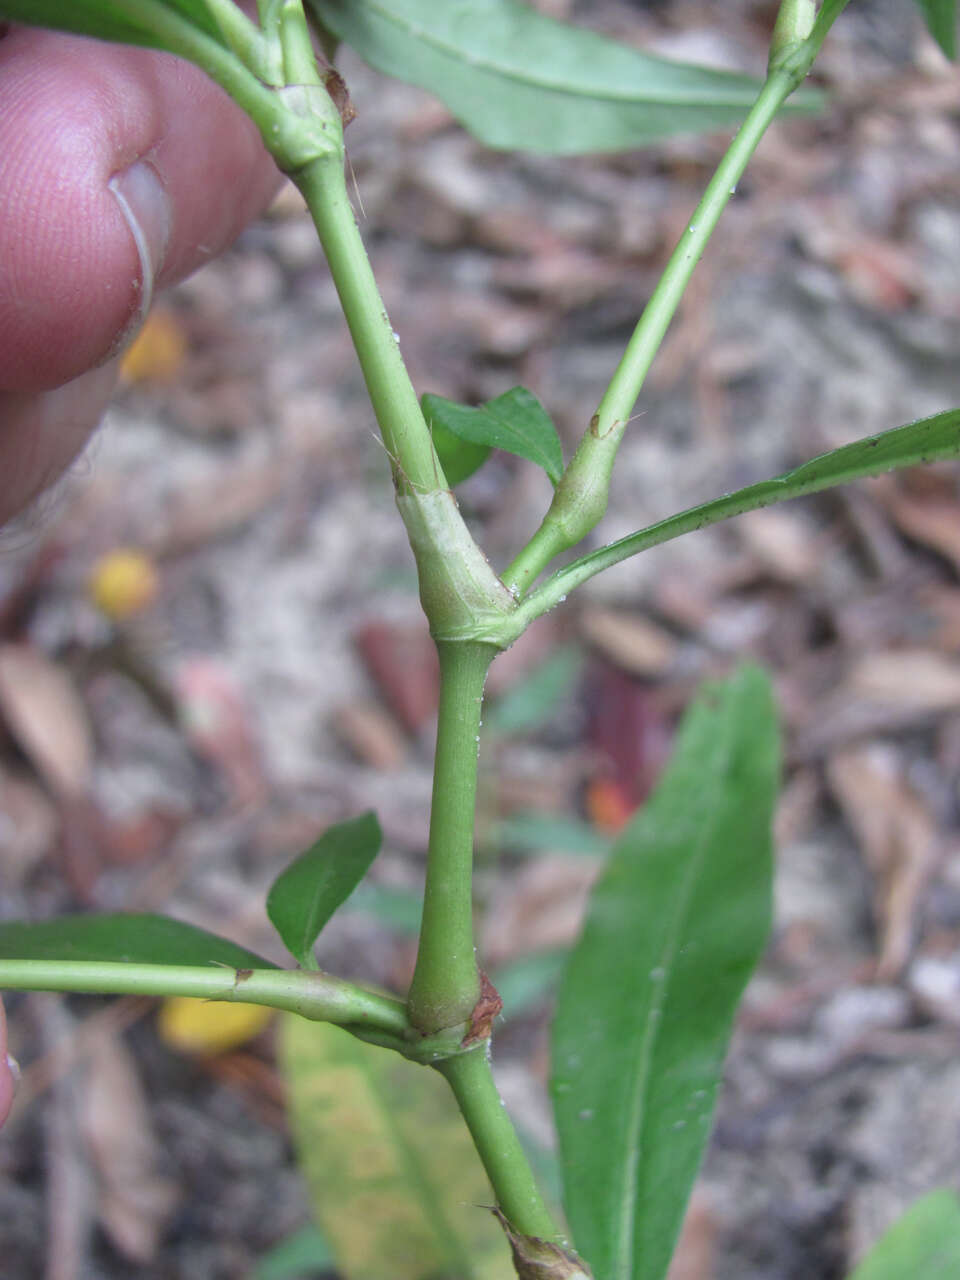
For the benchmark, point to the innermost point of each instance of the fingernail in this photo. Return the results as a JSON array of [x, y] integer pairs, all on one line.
[[13, 1066], [145, 206]]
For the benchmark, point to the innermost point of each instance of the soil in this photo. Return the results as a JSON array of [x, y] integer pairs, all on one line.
[[281, 679]]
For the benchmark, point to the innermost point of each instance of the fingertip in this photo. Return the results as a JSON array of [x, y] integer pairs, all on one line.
[[41, 433], [75, 116]]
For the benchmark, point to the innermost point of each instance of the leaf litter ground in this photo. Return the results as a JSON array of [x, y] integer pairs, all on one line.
[[259, 697]]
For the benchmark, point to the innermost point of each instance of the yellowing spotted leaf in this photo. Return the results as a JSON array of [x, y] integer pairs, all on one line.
[[209, 1027], [123, 582], [397, 1187]]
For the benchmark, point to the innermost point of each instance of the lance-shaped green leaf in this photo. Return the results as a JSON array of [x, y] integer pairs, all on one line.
[[924, 1244], [941, 19], [397, 1187], [928, 440], [126, 21], [674, 929], [137, 939], [520, 80], [304, 896], [515, 422]]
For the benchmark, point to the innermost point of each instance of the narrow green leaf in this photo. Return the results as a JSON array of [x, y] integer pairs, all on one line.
[[138, 939], [520, 80], [126, 21], [298, 1257], [515, 422], [927, 440], [674, 929], [304, 896], [923, 1245], [941, 19], [397, 1187]]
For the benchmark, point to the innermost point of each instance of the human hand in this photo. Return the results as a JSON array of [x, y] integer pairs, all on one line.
[[101, 146]]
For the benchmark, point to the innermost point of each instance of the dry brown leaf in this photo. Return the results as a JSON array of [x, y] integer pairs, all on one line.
[[541, 907], [632, 642], [45, 714], [897, 837], [70, 1208], [932, 521], [882, 693], [879, 273], [941, 607], [218, 725], [28, 825], [212, 511], [133, 1200], [917, 680], [797, 807], [371, 734], [783, 542], [403, 662]]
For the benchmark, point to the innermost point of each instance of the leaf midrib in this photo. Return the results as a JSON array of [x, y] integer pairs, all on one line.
[[542, 458], [713, 98], [625, 1237], [445, 1233]]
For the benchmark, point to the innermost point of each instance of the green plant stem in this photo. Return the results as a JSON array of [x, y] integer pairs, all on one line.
[[625, 385], [246, 40], [405, 433], [793, 25], [829, 12], [498, 1146], [220, 63], [299, 62], [585, 485], [314, 995], [446, 986], [875, 455]]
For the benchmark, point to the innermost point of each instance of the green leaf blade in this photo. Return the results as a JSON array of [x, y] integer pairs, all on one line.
[[934, 439], [515, 422], [135, 939], [304, 896], [520, 80], [459, 458], [941, 19], [114, 20], [924, 1244], [397, 1187], [675, 927]]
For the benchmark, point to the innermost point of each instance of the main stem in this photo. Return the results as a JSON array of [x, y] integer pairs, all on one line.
[[446, 985], [405, 433], [498, 1146]]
